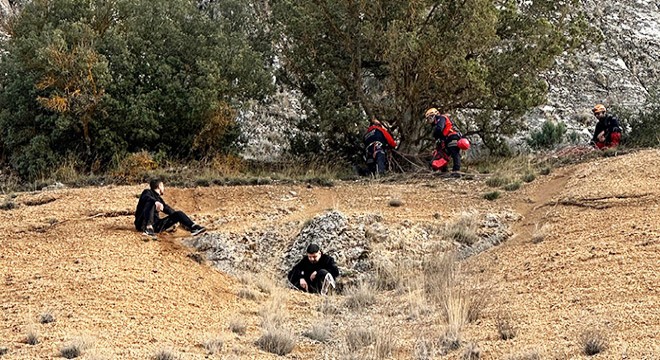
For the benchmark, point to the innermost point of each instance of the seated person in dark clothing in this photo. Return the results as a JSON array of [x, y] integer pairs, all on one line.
[[151, 203], [315, 272]]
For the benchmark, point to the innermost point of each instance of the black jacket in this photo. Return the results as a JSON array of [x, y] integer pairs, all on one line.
[[304, 268], [609, 124], [145, 206]]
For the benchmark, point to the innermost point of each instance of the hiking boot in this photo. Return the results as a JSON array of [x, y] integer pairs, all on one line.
[[328, 282], [149, 232], [197, 229]]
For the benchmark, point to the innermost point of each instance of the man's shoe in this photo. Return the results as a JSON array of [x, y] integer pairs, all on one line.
[[150, 233], [196, 230], [328, 282]]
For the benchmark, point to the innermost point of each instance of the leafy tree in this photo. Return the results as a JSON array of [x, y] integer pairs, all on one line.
[[96, 78], [393, 59]]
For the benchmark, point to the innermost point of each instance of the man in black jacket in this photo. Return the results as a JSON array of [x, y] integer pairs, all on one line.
[[151, 203], [315, 272]]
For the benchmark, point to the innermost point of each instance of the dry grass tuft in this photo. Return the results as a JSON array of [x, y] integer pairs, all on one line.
[[456, 307], [165, 354], [391, 275], [75, 348], [328, 308], [384, 343], [359, 337], [593, 342], [32, 337], [540, 233], [277, 341], [360, 296], [273, 314], [463, 230], [46, 317], [451, 339], [319, 332], [247, 294], [423, 349], [439, 276], [472, 352], [213, 345], [237, 327], [3, 351], [505, 328]]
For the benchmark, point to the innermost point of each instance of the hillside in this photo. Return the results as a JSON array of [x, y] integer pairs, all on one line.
[[583, 255]]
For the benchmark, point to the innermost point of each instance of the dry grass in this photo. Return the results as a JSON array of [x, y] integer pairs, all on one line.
[[391, 275], [277, 340], [237, 326], [213, 345], [423, 349], [463, 230], [593, 342], [418, 306], [540, 233], [450, 339], [320, 332], [360, 296], [327, 307], [385, 342], [32, 337], [439, 276], [247, 294], [456, 307], [75, 348], [165, 354], [471, 352], [359, 337], [273, 314], [505, 328]]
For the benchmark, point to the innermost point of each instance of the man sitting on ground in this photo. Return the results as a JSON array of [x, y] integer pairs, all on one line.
[[315, 272], [151, 203], [608, 131]]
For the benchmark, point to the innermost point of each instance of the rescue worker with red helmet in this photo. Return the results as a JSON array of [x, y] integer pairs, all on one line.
[[447, 139], [378, 141], [608, 131]]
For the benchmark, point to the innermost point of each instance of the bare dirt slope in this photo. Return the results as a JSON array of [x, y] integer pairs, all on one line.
[[73, 253]]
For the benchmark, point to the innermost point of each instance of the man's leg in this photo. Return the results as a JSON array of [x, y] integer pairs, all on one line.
[[317, 284], [381, 163], [169, 221], [455, 153], [615, 139]]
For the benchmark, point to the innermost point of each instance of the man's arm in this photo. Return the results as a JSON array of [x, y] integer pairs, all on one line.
[[388, 137]]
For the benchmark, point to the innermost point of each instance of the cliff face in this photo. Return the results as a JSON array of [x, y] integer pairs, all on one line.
[[5, 9], [619, 71]]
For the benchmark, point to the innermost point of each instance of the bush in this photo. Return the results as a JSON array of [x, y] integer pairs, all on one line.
[[512, 186], [549, 136], [642, 128], [493, 195], [277, 341], [593, 342]]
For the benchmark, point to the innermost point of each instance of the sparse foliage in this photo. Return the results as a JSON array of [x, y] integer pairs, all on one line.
[[360, 296], [32, 337], [550, 135], [472, 352], [277, 341], [359, 337], [238, 327], [319, 331], [464, 229], [213, 345], [46, 318], [505, 327], [165, 354], [593, 342], [493, 195]]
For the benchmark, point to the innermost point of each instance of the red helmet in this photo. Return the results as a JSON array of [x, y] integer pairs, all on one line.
[[463, 144]]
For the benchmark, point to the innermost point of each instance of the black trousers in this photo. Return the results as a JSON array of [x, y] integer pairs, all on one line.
[[160, 224], [377, 163]]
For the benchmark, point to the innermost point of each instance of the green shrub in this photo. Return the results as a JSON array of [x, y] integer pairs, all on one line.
[[549, 136], [493, 195], [512, 186]]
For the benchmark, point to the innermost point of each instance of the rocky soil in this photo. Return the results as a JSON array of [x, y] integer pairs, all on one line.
[[571, 252]]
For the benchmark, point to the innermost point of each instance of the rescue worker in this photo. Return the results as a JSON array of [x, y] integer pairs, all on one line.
[[608, 131], [377, 141], [446, 139]]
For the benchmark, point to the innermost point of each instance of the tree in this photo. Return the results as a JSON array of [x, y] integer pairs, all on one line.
[[354, 60], [97, 78]]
